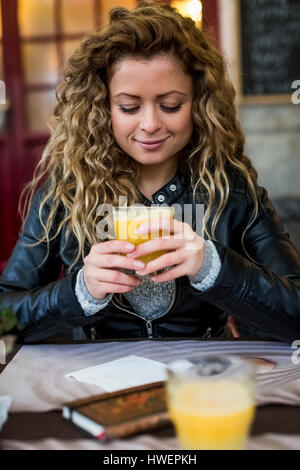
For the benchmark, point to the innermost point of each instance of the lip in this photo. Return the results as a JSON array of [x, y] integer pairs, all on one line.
[[151, 145]]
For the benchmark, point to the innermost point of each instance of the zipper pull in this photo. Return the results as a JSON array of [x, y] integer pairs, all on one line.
[[207, 333], [149, 329], [93, 333]]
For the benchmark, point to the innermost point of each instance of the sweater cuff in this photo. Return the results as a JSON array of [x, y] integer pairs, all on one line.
[[208, 273], [89, 304]]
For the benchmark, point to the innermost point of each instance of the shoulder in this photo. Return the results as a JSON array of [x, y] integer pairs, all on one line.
[[241, 195], [237, 180], [239, 184], [240, 191], [40, 207]]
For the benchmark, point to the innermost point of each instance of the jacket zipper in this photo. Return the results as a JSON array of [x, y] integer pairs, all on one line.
[[93, 333], [207, 333], [148, 322], [149, 329]]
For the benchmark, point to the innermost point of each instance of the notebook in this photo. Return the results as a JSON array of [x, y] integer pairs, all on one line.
[[122, 413]]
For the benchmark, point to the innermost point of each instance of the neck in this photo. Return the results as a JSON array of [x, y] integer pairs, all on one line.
[[152, 178]]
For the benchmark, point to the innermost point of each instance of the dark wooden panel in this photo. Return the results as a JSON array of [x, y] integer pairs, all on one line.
[[270, 35], [7, 203]]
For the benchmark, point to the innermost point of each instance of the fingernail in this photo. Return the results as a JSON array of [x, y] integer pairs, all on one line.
[[129, 246], [138, 264], [140, 272], [139, 229], [131, 255]]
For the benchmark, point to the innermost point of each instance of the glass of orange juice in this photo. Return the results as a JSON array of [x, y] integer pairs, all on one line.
[[211, 402], [127, 219]]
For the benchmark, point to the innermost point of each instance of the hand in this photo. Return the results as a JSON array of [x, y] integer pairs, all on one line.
[[99, 274], [186, 249]]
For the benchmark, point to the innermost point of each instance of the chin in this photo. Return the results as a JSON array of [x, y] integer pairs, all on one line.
[[150, 159]]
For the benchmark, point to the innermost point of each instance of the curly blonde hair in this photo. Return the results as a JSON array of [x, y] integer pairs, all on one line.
[[82, 162]]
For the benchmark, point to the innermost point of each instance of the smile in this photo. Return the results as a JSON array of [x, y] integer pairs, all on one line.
[[151, 145]]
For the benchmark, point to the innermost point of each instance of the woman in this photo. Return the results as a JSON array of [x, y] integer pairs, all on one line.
[[146, 112]]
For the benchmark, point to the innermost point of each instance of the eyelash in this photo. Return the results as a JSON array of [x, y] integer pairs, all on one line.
[[165, 108]]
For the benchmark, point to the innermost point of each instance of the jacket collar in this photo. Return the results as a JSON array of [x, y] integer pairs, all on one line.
[[171, 192]]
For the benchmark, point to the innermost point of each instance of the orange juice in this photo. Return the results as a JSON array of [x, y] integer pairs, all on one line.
[[126, 221], [212, 414]]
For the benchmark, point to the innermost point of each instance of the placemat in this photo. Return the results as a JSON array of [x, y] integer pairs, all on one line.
[[269, 441], [35, 378]]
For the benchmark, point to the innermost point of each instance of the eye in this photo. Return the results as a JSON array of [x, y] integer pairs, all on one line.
[[128, 110], [169, 109]]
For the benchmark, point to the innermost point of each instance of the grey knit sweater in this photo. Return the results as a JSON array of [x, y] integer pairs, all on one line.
[[151, 300]]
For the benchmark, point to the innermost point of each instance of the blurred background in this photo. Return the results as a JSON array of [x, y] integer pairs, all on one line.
[[260, 39]]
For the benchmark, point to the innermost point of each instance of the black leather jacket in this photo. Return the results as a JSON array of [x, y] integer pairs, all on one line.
[[264, 294]]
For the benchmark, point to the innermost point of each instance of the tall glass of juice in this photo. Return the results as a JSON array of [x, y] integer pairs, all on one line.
[[211, 402], [127, 219]]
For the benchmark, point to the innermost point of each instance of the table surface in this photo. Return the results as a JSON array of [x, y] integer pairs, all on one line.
[[26, 426]]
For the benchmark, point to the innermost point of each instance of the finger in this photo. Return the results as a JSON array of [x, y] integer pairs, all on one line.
[[173, 273], [113, 246], [156, 245], [115, 288], [118, 261], [232, 326], [169, 259], [168, 226], [195, 244], [114, 277], [156, 224]]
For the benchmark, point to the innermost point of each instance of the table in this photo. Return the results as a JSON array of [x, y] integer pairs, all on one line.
[[24, 429]]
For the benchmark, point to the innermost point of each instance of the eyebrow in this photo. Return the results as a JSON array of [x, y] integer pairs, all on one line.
[[159, 96]]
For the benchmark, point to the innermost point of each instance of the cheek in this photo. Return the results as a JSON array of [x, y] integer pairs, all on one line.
[[114, 122], [120, 125], [189, 123], [184, 125]]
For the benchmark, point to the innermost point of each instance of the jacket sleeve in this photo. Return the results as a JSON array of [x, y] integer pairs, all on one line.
[[263, 288], [44, 304]]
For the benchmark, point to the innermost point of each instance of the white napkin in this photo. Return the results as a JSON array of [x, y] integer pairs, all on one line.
[[130, 371], [5, 402]]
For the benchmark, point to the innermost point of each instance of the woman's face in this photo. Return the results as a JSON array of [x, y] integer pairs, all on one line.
[[151, 108]]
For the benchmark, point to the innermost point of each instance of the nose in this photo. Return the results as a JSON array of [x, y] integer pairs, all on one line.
[[150, 120]]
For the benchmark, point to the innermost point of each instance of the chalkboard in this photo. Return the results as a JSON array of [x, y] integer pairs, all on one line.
[[270, 46]]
